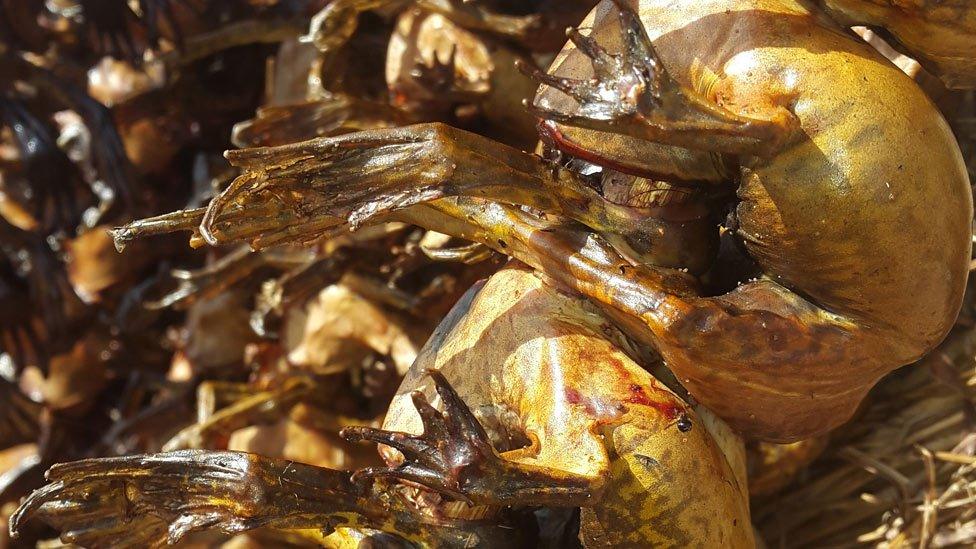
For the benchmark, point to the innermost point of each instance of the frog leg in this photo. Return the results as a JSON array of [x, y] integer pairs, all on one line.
[[468, 254], [550, 378], [181, 220], [215, 395], [297, 286], [632, 93], [455, 457], [789, 362], [156, 499], [326, 183], [332, 27], [470, 15], [305, 191]]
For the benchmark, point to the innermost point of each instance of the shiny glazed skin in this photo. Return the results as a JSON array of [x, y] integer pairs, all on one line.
[[940, 34], [534, 363], [860, 221], [852, 198]]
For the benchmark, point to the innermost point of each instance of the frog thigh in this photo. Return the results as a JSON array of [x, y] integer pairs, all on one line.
[[525, 356]]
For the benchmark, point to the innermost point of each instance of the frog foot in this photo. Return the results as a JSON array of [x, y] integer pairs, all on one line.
[[632, 93], [622, 85], [455, 457], [155, 499]]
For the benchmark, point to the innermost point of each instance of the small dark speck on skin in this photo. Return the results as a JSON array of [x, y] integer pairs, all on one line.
[[647, 461], [684, 424]]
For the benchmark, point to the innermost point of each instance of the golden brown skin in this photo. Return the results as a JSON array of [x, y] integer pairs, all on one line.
[[835, 180], [940, 34], [834, 211], [546, 371]]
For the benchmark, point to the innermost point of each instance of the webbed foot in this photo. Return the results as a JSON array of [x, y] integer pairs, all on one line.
[[147, 500], [151, 500], [632, 93], [455, 457]]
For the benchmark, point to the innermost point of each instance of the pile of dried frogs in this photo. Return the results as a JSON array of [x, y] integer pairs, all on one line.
[[589, 273]]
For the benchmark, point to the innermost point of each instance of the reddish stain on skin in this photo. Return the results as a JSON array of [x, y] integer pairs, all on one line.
[[638, 396], [550, 131], [574, 397], [621, 370]]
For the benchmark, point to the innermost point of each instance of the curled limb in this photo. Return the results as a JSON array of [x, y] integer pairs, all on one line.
[[454, 456], [227, 271], [283, 124], [761, 341], [155, 499]]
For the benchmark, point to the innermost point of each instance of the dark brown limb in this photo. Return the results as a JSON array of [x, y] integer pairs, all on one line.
[[294, 288], [183, 220], [454, 456], [474, 16], [155, 499], [335, 24], [283, 124]]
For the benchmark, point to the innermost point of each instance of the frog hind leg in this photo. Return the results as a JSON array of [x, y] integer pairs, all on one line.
[[528, 357], [151, 500]]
